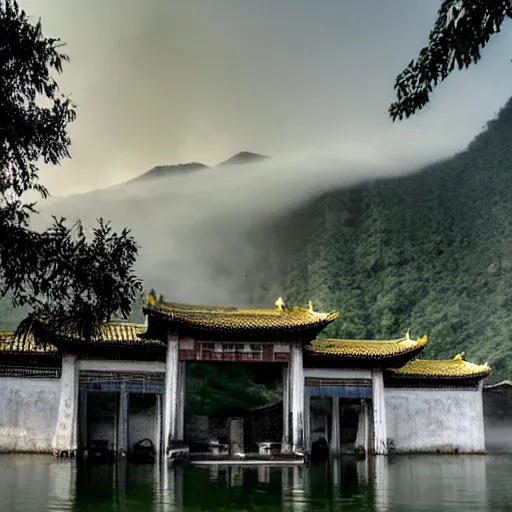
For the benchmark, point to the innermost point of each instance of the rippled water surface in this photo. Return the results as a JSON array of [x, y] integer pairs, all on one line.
[[408, 484]]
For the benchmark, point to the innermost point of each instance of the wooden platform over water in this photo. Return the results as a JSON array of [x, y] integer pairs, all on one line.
[[207, 459]]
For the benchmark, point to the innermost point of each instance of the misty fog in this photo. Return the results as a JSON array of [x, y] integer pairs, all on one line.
[[309, 83], [195, 228]]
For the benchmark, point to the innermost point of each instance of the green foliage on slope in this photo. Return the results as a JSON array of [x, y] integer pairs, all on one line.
[[431, 252]]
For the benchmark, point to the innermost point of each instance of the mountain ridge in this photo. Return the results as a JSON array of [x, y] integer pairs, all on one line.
[[160, 171]]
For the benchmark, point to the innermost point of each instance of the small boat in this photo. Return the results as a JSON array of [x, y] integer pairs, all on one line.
[[178, 450], [143, 452], [320, 450], [100, 452]]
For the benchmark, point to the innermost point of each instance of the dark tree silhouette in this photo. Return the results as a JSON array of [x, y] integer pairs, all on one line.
[[461, 31], [71, 282]]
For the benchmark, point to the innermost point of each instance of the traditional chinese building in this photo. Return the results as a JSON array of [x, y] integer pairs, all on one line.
[[129, 382]]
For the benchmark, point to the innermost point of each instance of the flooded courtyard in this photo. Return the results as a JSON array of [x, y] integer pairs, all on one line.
[[416, 483]]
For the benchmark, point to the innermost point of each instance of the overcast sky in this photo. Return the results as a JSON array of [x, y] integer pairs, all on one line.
[[162, 82]]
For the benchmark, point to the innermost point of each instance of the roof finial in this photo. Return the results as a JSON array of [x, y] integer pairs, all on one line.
[[310, 304], [408, 335], [151, 300], [459, 357], [280, 304]]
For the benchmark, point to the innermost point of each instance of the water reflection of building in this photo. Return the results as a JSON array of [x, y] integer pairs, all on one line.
[[436, 482], [62, 486], [168, 493], [294, 489], [375, 483], [335, 482], [380, 483], [128, 383], [214, 472], [33, 483], [236, 476], [263, 474]]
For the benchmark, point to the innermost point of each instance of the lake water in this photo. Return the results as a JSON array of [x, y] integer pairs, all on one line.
[[408, 484]]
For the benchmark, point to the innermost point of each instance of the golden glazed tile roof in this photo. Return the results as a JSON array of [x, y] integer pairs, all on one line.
[[367, 349], [124, 333], [233, 319], [120, 333], [15, 344], [450, 369]]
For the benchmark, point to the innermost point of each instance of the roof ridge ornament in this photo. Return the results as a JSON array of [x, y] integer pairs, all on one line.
[[280, 305], [408, 335], [311, 307], [151, 300]]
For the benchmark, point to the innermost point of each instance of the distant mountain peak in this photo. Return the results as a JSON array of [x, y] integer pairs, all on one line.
[[161, 171], [244, 157]]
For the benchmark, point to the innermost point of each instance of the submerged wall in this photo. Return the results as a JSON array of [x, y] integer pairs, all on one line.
[[143, 418], [434, 420], [497, 401], [101, 417], [28, 414]]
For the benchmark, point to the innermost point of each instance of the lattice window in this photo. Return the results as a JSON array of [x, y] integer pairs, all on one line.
[[30, 372], [113, 381]]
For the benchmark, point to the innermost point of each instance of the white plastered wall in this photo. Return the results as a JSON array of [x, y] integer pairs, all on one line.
[[434, 420], [28, 414]]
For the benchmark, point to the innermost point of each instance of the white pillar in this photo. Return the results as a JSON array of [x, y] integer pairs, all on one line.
[[158, 424], [363, 428], [65, 438], [285, 447], [123, 420], [116, 424], [297, 397], [379, 414], [335, 426], [75, 412], [171, 390], [82, 418], [180, 406], [307, 422]]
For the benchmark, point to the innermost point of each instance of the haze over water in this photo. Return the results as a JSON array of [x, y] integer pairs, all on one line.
[[408, 484]]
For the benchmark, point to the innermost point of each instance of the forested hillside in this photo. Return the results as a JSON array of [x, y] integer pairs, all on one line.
[[431, 252]]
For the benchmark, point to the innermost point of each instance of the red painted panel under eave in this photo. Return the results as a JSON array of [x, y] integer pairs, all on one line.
[[268, 356]]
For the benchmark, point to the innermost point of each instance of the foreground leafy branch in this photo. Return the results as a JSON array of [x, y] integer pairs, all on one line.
[[81, 283], [462, 29], [71, 282]]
